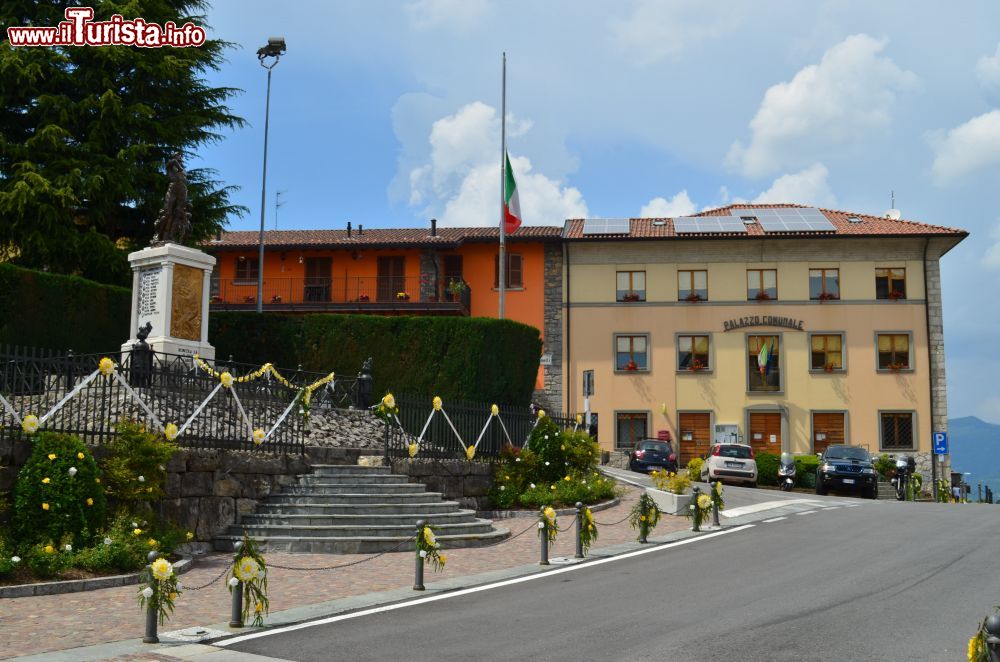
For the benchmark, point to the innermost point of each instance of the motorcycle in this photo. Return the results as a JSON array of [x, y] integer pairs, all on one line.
[[786, 472], [905, 468]]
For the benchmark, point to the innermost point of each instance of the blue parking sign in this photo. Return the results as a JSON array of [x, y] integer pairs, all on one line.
[[940, 443]]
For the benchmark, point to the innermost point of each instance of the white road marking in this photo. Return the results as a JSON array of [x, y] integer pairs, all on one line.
[[766, 505], [806, 512], [831, 508], [477, 589], [774, 519], [851, 505]]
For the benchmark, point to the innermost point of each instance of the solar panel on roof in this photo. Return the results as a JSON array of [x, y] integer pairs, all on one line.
[[708, 225], [605, 226], [791, 219]]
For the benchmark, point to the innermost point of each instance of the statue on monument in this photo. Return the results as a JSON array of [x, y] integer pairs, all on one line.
[[174, 221]]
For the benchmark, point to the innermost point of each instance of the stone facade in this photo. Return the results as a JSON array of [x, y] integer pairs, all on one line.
[[468, 483], [939, 389], [430, 275], [345, 428], [550, 397]]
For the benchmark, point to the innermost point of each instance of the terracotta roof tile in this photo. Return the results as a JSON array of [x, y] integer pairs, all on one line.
[[395, 237]]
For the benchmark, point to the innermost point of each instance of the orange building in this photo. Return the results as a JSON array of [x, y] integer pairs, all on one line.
[[411, 271]]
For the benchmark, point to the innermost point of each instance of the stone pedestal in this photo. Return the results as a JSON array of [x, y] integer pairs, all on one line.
[[170, 286]]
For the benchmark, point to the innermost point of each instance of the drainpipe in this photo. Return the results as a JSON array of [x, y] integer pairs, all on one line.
[[930, 363]]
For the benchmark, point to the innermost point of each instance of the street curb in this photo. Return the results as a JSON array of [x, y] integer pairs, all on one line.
[[78, 585]]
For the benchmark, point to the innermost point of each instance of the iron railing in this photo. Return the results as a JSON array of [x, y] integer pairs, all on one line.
[[35, 380], [439, 440], [320, 292]]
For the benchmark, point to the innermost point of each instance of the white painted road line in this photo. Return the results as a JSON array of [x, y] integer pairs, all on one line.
[[806, 512], [477, 589], [831, 508], [774, 519], [851, 505], [767, 505]]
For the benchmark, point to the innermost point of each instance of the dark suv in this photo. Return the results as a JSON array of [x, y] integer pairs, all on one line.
[[652, 455], [846, 468]]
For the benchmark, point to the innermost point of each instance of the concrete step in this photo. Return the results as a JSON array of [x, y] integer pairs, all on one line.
[[366, 519], [330, 499], [354, 488], [364, 531], [352, 479], [415, 510], [361, 545], [347, 469]]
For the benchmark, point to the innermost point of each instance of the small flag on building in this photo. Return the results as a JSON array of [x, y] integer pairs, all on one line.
[[512, 204], [762, 359]]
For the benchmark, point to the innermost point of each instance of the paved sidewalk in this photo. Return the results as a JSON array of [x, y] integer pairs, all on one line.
[[34, 625]]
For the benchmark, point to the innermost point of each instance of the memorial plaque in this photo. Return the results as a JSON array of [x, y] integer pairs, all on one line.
[[148, 303], [185, 308]]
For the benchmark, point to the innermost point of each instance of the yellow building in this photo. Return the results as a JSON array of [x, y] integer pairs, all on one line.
[[784, 327]]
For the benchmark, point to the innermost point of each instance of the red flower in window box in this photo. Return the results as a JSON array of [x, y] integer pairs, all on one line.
[[630, 296], [276, 298], [693, 297], [896, 367], [829, 367], [763, 296], [249, 299], [631, 366], [896, 295], [828, 296], [697, 366]]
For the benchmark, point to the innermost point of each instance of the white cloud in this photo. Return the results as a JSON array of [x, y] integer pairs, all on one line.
[[679, 205], [967, 148], [988, 73], [461, 182], [454, 14], [657, 29], [827, 108], [808, 187], [991, 258]]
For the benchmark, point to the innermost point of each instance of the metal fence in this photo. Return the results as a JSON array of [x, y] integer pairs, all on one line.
[[172, 386], [468, 417]]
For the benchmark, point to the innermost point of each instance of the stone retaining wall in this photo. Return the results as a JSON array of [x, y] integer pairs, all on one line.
[[468, 483]]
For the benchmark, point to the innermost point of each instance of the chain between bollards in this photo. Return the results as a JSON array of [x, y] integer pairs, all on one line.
[[543, 526], [236, 613], [418, 569], [150, 637], [579, 530]]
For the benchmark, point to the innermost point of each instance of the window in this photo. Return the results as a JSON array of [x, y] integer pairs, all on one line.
[[630, 286], [515, 271], [824, 284], [631, 352], [897, 430], [630, 428], [692, 353], [692, 286], [893, 351], [890, 283], [827, 351], [763, 363], [214, 287], [762, 284], [246, 268]]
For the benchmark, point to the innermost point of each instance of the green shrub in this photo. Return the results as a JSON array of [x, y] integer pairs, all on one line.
[[119, 548], [805, 470], [694, 468], [453, 357], [885, 466], [767, 468], [58, 492], [91, 317], [7, 563], [135, 468], [567, 493], [47, 560], [675, 483]]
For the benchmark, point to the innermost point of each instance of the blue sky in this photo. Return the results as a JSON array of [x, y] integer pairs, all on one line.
[[386, 114]]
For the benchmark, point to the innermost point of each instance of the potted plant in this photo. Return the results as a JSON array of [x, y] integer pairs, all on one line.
[[828, 296], [456, 288], [896, 367], [364, 298], [829, 367], [896, 295], [249, 298], [672, 493], [402, 296], [276, 298], [763, 296], [630, 296], [693, 297], [697, 365], [631, 366]]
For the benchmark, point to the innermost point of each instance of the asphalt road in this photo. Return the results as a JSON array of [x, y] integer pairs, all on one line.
[[878, 581]]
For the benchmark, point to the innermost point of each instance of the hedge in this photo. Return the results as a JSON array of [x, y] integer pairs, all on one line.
[[53, 311], [468, 358]]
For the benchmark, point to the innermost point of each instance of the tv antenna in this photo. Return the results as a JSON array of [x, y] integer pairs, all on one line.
[[278, 204]]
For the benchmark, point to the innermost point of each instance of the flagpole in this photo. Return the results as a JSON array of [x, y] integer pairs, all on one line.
[[502, 275]]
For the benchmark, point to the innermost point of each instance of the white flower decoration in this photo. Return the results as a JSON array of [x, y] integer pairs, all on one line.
[[147, 593], [517, 459], [233, 581], [107, 541], [532, 486], [546, 463], [135, 525], [15, 559], [142, 479], [546, 436], [503, 487], [68, 548], [423, 553], [72, 471]]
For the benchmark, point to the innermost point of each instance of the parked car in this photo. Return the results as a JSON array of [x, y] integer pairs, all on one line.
[[846, 468], [730, 463], [652, 455]]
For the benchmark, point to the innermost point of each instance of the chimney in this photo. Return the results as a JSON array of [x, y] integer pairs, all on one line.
[[434, 227], [348, 229], [360, 229]]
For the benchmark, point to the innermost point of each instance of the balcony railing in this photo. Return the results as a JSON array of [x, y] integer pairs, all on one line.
[[336, 293]]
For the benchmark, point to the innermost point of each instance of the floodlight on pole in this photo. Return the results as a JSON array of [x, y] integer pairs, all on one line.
[[274, 49]]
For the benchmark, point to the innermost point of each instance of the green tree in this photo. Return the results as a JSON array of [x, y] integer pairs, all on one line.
[[85, 133]]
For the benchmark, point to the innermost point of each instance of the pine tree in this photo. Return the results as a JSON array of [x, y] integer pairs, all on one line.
[[85, 133]]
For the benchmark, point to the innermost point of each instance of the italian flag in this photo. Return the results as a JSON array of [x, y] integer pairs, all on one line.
[[511, 202], [762, 359]]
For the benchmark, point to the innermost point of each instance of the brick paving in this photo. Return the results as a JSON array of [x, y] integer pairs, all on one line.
[[48, 623]]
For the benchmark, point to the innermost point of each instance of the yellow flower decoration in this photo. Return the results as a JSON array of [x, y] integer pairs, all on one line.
[[389, 401], [259, 608], [704, 501], [106, 366], [429, 537], [162, 569], [470, 452], [642, 518], [567, 479], [137, 532], [45, 506], [46, 480], [30, 424], [226, 379], [90, 502], [173, 596], [494, 410], [718, 487], [412, 449], [541, 413], [79, 456], [550, 514], [97, 480], [437, 403], [52, 456], [152, 542], [189, 535], [247, 569], [170, 431], [553, 488], [258, 436], [49, 549], [442, 559], [579, 419]]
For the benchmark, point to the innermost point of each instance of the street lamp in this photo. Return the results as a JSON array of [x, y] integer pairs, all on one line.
[[275, 49]]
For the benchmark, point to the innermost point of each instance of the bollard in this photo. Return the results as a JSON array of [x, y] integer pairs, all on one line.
[[579, 530], [236, 610], [150, 636], [696, 515], [993, 637], [418, 570], [643, 523], [715, 515], [543, 526]]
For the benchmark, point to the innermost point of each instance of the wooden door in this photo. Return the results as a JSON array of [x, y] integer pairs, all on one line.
[[694, 435], [317, 282], [765, 432], [828, 428], [391, 277]]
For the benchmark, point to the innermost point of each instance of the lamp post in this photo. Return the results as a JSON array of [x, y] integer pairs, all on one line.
[[275, 49]]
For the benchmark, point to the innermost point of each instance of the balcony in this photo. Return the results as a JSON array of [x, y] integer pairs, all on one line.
[[373, 296]]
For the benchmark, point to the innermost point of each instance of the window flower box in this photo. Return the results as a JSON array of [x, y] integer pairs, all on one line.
[[249, 299], [896, 295], [697, 366], [829, 367], [276, 298], [631, 366], [630, 296], [668, 502], [402, 296], [694, 297], [763, 296], [896, 367], [828, 296], [364, 298]]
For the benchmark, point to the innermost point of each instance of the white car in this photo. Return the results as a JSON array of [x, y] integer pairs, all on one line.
[[730, 463]]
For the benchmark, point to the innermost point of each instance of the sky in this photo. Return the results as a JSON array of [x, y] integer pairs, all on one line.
[[386, 114]]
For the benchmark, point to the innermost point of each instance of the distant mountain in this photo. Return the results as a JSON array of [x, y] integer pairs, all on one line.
[[975, 447]]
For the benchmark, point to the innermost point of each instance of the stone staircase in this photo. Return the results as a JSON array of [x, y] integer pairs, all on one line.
[[351, 509]]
